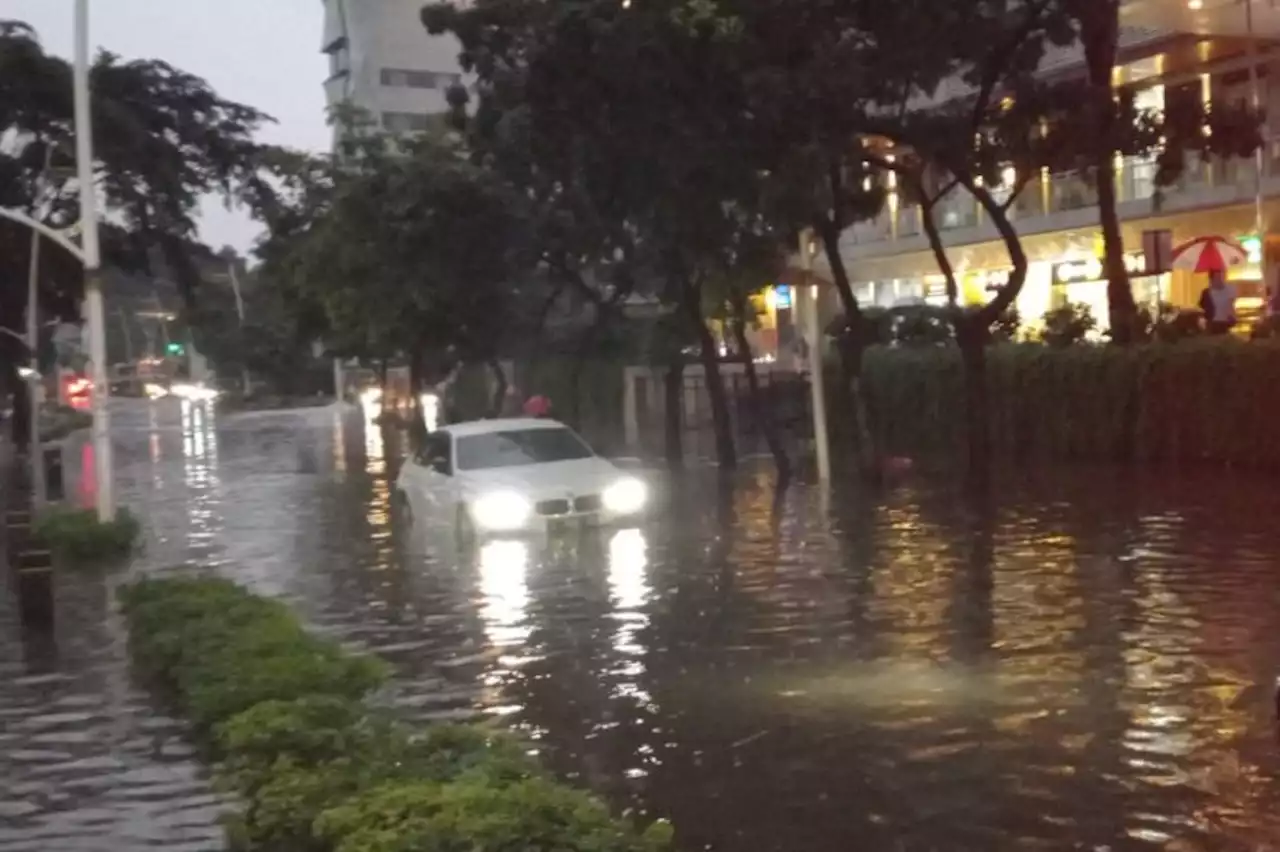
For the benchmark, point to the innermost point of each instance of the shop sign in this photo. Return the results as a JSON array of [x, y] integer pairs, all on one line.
[[989, 281], [1090, 269], [782, 296]]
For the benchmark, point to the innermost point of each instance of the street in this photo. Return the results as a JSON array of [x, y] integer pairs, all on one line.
[[1085, 663]]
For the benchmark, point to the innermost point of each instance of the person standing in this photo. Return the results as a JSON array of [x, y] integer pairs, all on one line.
[[1218, 303]]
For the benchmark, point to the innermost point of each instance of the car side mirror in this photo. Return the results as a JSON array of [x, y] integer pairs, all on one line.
[[440, 464]]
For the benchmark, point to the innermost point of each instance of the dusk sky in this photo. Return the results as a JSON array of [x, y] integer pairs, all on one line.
[[265, 53]]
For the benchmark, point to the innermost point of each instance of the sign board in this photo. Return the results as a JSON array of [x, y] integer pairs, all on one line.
[[1091, 269], [1157, 251], [782, 296]]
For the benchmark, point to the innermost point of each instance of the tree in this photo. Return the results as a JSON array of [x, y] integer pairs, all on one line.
[[1012, 127], [628, 121], [162, 140], [824, 82], [410, 250]]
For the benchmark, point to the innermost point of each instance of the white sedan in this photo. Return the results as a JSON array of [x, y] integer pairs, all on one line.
[[515, 475]]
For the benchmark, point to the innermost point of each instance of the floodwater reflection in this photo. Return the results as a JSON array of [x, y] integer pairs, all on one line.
[[1081, 660]]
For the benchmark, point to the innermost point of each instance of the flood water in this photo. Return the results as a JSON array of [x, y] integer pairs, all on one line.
[[1085, 660]]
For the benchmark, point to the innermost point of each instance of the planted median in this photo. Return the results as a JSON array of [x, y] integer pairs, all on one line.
[[284, 716]]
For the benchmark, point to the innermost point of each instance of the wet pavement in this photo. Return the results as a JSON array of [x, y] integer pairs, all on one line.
[[1083, 661]]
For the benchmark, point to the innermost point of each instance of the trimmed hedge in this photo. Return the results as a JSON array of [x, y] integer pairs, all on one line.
[[77, 537], [1210, 399], [283, 715]]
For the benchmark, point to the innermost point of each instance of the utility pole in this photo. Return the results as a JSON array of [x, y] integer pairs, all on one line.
[[35, 385], [235, 288], [813, 333], [95, 309]]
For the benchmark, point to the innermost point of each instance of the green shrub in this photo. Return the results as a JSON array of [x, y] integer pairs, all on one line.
[[59, 421], [472, 815], [77, 536], [1204, 399], [217, 650], [271, 661], [316, 768], [1071, 323]]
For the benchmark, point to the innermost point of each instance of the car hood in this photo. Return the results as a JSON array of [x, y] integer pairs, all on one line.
[[545, 481]]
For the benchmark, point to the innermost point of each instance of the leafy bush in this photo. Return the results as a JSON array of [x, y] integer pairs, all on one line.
[[1007, 326], [1071, 323], [217, 650], [77, 536], [481, 817], [1206, 399], [1168, 323], [317, 768], [1267, 328], [59, 421]]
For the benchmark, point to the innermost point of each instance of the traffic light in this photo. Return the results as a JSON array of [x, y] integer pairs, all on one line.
[[174, 349]]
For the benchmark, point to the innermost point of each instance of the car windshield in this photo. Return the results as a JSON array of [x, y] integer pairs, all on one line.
[[517, 447]]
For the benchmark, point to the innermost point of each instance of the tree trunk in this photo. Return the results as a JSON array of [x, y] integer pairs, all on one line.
[[673, 421], [1100, 33], [764, 417], [21, 432], [852, 345], [499, 388], [971, 336], [709, 356]]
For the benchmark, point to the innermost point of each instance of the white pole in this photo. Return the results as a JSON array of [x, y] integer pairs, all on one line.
[[95, 309], [822, 445], [35, 450], [1255, 99], [235, 288]]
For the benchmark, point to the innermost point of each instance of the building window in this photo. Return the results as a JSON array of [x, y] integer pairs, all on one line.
[[405, 122], [404, 78]]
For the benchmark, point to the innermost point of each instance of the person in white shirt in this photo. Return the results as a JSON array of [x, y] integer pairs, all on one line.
[[1218, 302]]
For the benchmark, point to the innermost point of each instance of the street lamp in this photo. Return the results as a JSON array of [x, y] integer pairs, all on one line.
[[808, 291], [95, 309], [88, 253]]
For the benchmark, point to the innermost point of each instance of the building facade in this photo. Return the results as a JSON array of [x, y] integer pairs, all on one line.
[[383, 61], [1216, 50]]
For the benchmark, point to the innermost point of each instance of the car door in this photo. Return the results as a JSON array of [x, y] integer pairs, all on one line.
[[433, 474]]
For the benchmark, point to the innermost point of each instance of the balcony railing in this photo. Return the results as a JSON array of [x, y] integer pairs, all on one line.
[[1202, 183]]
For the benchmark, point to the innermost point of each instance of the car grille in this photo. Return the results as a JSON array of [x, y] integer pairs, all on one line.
[[590, 503], [553, 507], [580, 505]]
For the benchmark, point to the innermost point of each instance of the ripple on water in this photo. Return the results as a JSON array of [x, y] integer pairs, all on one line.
[[1079, 661]]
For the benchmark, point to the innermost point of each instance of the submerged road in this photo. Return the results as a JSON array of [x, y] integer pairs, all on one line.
[[1082, 663]]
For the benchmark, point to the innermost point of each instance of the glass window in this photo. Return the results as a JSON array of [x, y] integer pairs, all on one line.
[[405, 122], [411, 79], [516, 447], [436, 451]]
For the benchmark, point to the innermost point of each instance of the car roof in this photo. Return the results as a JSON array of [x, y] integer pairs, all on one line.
[[500, 424]]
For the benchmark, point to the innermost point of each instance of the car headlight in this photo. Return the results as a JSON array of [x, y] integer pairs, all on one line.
[[501, 510], [625, 497]]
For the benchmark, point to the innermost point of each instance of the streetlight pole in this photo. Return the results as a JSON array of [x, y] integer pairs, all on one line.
[[95, 309], [813, 331], [35, 386], [235, 289]]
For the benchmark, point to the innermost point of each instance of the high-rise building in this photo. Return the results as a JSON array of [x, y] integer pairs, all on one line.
[[382, 60]]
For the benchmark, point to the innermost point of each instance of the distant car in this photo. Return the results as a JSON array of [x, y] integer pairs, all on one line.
[[506, 477]]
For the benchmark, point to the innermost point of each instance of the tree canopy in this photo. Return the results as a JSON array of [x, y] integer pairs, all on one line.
[[163, 139]]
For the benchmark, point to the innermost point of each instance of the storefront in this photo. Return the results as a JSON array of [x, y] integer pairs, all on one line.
[[1083, 282]]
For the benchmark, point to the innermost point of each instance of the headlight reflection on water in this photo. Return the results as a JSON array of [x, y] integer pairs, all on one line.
[[504, 589]]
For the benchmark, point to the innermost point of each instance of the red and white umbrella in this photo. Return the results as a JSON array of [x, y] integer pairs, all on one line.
[[1209, 254]]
